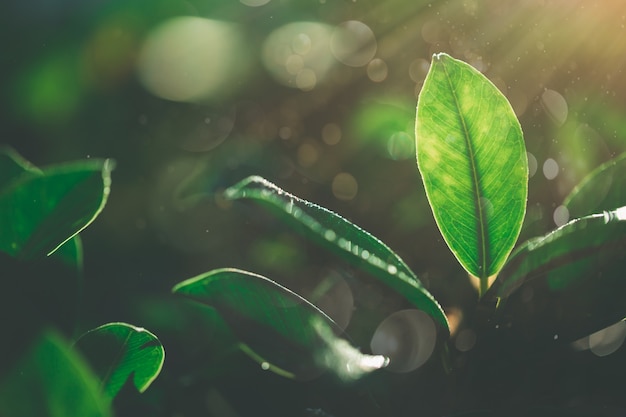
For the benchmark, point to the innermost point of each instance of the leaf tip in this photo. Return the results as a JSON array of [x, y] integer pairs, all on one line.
[[440, 56]]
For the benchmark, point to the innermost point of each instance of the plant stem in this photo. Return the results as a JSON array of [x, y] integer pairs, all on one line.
[[484, 285]]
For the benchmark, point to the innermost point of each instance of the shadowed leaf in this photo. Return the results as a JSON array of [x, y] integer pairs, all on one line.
[[568, 283], [279, 329], [38, 213], [51, 380]]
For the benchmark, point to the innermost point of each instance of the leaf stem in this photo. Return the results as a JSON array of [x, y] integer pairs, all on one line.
[[484, 286]]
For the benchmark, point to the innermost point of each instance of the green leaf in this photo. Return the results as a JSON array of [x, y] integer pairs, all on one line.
[[119, 351], [51, 380], [279, 329], [12, 165], [471, 155], [38, 213], [569, 282], [603, 189], [343, 238]]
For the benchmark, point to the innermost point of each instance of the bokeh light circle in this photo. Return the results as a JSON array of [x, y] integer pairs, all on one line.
[[345, 186], [407, 338], [555, 106], [550, 169], [377, 70], [353, 43], [254, 3], [191, 59], [298, 54]]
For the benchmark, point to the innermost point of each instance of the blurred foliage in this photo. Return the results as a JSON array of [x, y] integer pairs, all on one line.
[[75, 85]]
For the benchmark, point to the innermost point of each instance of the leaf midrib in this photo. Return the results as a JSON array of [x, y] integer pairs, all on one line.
[[474, 172]]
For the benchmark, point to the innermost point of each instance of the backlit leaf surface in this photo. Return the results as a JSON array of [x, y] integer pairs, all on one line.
[[471, 155], [343, 238], [119, 351]]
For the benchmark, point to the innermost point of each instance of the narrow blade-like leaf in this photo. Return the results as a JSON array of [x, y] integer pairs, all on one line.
[[471, 155], [603, 189], [51, 380], [38, 213], [119, 351], [343, 238], [568, 283], [278, 328]]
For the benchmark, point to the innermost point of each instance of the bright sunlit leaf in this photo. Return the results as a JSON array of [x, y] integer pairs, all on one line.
[[343, 238], [602, 189], [471, 155], [51, 380], [118, 352], [38, 213], [568, 283], [279, 329]]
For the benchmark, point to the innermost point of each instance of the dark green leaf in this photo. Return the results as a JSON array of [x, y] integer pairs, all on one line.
[[343, 238], [119, 351], [568, 283], [471, 155], [602, 189], [278, 328], [12, 165], [51, 380], [38, 213]]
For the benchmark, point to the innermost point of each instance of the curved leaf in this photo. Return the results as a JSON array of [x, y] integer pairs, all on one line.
[[38, 213], [569, 282], [51, 380], [278, 328], [119, 351], [471, 155], [342, 238], [603, 189], [12, 165]]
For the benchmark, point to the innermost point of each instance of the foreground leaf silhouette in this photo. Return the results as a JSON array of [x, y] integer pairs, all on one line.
[[472, 159], [52, 380]]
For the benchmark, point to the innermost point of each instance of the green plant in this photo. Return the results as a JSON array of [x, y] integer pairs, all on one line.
[[41, 213], [471, 156], [473, 162]]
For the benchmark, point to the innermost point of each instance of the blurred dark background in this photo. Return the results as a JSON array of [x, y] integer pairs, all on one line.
[[317, 96]]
